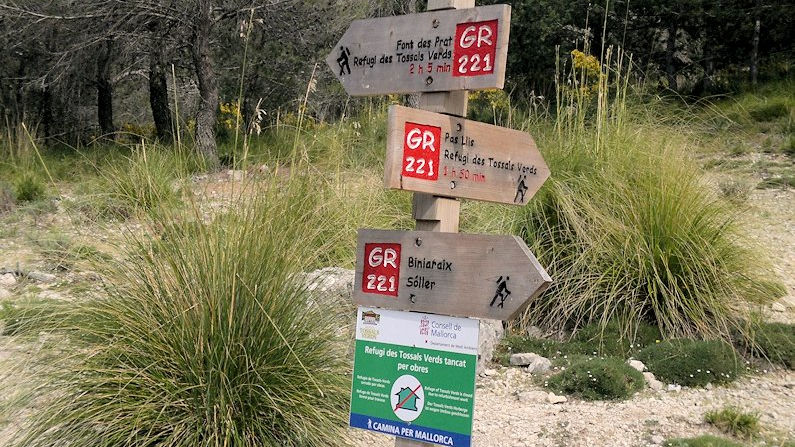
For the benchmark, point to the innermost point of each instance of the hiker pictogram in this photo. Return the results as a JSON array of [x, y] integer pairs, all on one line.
[[502, 292], [343, 61], [521, 189]]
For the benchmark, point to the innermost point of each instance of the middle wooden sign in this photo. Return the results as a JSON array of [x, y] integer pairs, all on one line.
[[455, 157]]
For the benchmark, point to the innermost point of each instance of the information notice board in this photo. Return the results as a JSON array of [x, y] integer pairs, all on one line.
[[414, 375]]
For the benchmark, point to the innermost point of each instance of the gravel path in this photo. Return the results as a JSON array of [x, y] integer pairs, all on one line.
[[647, 419]]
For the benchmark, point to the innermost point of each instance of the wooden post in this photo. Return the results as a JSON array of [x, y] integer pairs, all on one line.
[[434, 213]]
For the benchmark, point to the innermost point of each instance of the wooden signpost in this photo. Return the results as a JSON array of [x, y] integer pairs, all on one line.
[[443, 53], [450, 156], [467, 275], [463, 49]]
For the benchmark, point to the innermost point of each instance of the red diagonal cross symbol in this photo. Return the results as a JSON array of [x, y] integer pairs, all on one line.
[[400, 405]]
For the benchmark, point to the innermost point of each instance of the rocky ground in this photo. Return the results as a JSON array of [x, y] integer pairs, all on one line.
[[511, 409]]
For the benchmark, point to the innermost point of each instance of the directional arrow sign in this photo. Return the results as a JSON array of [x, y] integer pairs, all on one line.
[[448, 156], [465, 275], [460, 49]]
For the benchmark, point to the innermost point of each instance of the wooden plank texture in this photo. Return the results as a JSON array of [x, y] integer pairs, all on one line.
[[455, 49], [464, 275], [450, 156]]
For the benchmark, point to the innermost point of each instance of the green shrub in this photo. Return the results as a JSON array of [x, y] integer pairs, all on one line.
[[212, 339], [769, 112], [513, 344], [598, 378], [692, 362], [28, 187], [735, 422], [701, 441], [776, 341], [612, 340]]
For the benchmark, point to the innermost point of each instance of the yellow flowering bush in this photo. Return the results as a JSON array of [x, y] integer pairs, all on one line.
[[587, 71], [490, 105], [229, 115]]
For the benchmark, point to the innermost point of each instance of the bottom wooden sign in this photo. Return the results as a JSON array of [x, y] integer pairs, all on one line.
[[468, 275]]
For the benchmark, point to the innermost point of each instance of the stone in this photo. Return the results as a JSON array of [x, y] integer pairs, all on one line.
[[532, 396], [539, 365], [331, 288], [652, 381], [657, 440], [4, 294], [50, 295], [523, 358], [41, 276], [489, 336], [235, 175], [336, 282], [674, 387], [555, 399], [778, 307], [489, 372], [637, 364], [264, 169], [7, 279], [709, 386], [535, 332]]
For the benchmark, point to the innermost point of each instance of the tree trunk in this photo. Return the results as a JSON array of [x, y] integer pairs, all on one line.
[[158, 95], [45, 112], [670, 49], [413, 100], [755, 45], [105, 90], [208, 86]]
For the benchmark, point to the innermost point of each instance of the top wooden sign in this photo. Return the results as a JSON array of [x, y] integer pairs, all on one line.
[[459, 49]]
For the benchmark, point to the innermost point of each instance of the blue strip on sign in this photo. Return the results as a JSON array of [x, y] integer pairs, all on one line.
[[410, 431]]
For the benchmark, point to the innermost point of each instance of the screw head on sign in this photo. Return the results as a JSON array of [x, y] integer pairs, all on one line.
[[429, 80], [452, 185], [418, 241], [436, 23], [458, 127]]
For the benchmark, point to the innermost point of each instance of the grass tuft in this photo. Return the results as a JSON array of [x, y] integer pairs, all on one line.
[[701, 441], [29, 187], [776, 341], [143, 183], [769, 112], [733, 421], [630, 231], [206, 337]]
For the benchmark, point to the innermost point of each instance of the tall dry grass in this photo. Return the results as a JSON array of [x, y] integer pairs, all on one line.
[[206, 336], [626, 225]]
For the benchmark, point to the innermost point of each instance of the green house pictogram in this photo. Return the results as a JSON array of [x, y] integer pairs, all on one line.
[[407, 400]]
